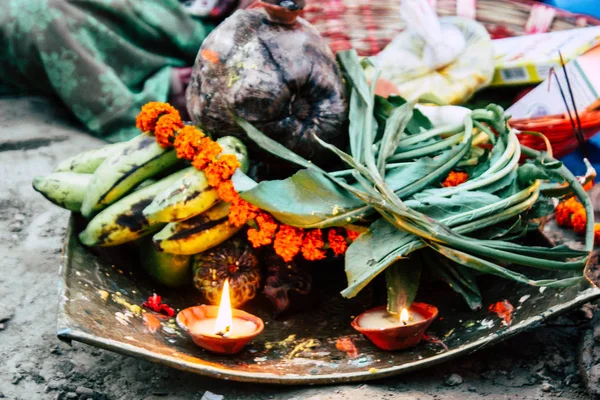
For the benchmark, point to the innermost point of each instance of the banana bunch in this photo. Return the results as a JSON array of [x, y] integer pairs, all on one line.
[[136, 188]]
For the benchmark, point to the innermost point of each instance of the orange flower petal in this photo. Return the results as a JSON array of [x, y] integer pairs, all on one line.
[[337, 242], [146, 119], [288, 242], [455, 178], [165, 129], [188, 141]]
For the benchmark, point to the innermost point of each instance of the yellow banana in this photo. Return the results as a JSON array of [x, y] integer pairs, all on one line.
[[196, 234]]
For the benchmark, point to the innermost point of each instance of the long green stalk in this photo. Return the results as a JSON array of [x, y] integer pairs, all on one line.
[[438, 131]]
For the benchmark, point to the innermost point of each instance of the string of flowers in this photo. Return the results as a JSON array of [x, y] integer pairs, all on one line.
[[191, 144]]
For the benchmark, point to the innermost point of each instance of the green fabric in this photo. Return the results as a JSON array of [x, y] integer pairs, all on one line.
[[103, 59]]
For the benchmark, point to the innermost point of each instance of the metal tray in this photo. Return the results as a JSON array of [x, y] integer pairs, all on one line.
[[300, 349]]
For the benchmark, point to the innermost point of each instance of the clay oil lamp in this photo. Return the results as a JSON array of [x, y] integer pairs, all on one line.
[[392, 332], [220, 329]]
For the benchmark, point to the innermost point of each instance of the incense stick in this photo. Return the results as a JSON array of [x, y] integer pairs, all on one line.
[[578, 131]]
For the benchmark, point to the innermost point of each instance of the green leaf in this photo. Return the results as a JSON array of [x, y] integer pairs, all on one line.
[[431, 169], [533, 170], [488, 267], [242, 182], [456, 276], [270, 145], [394, 128], [346, 158], [358, 110], [402, 281], [496, 153], [275, 148], [385, 106], [504, 186], [354, 72], [512, 229], [542, 208], [560, 252], [439, 208], [307, 199], [373, 252]]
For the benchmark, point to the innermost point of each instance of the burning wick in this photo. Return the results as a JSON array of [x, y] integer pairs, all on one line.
[[224, 317], [404, 318]]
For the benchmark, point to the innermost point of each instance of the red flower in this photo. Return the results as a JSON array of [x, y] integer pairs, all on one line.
[[504, 310], [154, 303]]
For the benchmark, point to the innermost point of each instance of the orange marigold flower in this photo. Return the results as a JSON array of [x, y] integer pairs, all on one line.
[[266, 230], [165, 129], [227, 192], [588, 185], [455, 178], [352, 235], [288, 242], [146, 119], [221, 169], [573, 204], [312, 245], [208, 150], [597, 233], [187, 142], [337, 242], [241, 211], [578, 220], [562, 214]]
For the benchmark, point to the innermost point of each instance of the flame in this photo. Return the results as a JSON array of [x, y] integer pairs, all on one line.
[[404, 318], [224, 317]]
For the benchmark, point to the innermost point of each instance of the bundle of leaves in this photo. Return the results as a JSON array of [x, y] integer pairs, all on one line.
[[396, 162]]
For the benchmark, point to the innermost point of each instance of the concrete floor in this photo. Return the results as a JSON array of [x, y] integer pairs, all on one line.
[[35, 134]]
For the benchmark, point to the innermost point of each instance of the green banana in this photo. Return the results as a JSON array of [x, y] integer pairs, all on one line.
[[123, 221], [233, 145], [192, 195], [65, 189], [196, 234], [88, 161], [139, 159], [172, 270]]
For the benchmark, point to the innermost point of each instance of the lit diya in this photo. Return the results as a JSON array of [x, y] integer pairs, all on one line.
[[392, 332], [220, 329]]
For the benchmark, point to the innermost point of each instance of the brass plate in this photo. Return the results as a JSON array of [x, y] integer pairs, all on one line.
[[85, 316]]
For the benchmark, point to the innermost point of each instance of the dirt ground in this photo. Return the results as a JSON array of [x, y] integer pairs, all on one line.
[[34, 136]]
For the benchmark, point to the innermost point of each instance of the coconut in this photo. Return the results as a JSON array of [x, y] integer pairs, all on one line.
[[273, 69]]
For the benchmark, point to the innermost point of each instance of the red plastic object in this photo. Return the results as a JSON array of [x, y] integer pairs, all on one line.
[[558, 130], [217, 344], [399, 337]]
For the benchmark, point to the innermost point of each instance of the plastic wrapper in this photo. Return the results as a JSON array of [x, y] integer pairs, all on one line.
[[437, 60]]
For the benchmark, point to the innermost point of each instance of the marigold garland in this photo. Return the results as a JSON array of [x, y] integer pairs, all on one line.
[[193, 145], [188, 142], [148, 116], [166, 127], [288, 242], [312, 246], [337, 242], [208, 150], [262, 236], [221, 170], [455, 178]]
